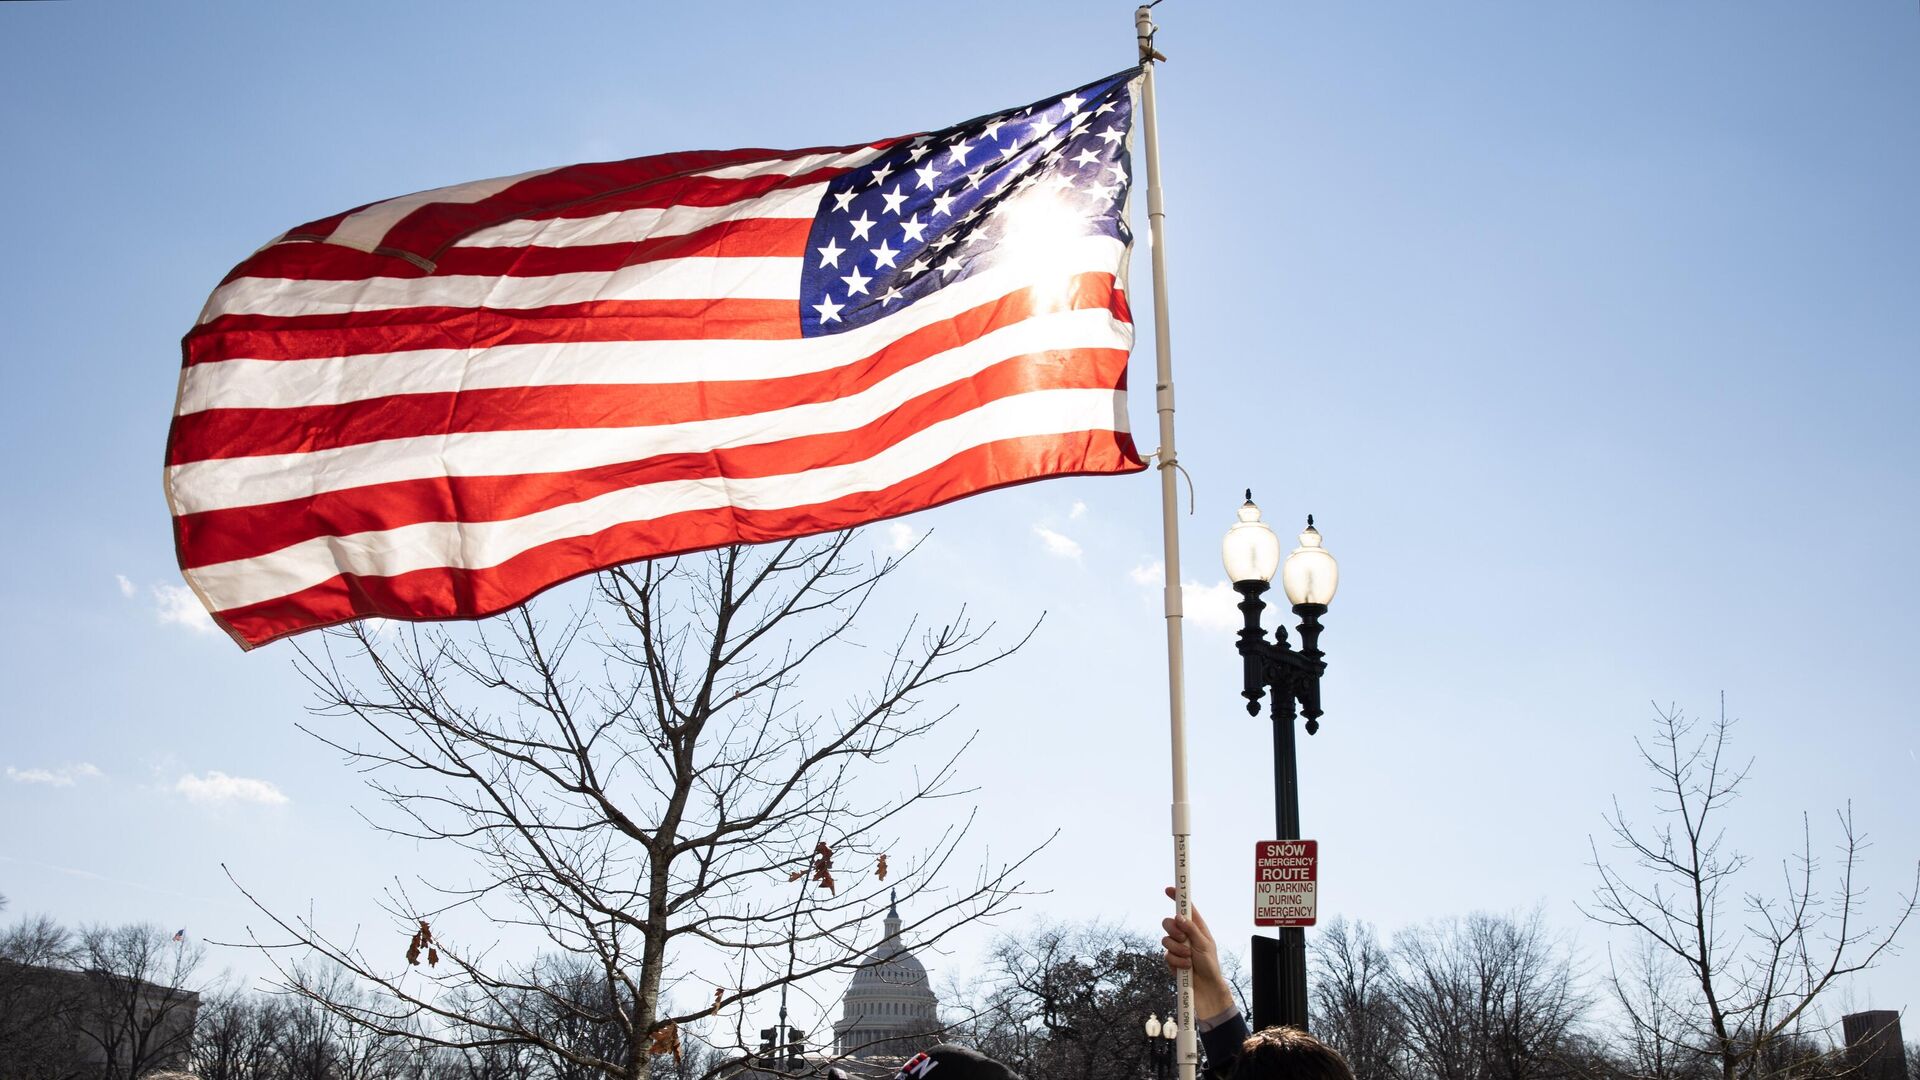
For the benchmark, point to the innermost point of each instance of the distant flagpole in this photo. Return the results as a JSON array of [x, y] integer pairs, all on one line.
[[1170, 531]]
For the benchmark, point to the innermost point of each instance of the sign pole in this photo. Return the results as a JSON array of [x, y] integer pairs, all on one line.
[[1185, 1047]]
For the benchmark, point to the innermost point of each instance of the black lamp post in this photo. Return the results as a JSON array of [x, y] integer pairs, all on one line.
[[1160, 1043], [1251, 552]]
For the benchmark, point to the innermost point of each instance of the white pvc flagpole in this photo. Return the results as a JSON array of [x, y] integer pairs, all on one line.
[[1170, 532]]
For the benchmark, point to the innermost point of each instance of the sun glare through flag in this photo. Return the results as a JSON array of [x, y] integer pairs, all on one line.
[[438, 405]]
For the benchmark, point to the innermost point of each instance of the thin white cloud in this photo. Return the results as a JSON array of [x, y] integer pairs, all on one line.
[[89, 875], [1064, 546], [383, 629], [218, 787], [1210, 607], [1079, 510], [177, 606], [900, 536], [65, 776]]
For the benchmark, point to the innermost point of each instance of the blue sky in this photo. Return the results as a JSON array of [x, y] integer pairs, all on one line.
[[1589, 332]]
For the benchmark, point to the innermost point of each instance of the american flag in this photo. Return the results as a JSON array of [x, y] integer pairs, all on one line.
[[438, 405]]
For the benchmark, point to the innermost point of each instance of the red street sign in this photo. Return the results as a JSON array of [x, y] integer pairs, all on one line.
[[1286, 875]]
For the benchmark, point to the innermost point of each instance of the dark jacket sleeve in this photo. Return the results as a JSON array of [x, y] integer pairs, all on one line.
[[1222, 1043]]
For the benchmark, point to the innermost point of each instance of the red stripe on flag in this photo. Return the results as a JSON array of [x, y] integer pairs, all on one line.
[[586, 180], [445, 593], [662, 178], [326, 225], [356, 333], [658, 181], [746, 237], [683, 191], [232, 433], [217, 536]]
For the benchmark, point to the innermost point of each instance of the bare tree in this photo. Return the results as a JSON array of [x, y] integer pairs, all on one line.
[[140, 997], [1486, 997], [500, 1061], [1354, 1006], [234, 1036], [1648, 992], [39, 1000], [319, 1040], [590, 1020], [1070, 1001], [645, 788], [1744, 984]]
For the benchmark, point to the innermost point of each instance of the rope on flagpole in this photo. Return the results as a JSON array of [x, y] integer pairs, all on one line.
[[1148, 53], [1144, 29]]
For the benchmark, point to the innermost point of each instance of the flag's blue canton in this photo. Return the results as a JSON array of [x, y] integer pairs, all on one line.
[[928, 212]]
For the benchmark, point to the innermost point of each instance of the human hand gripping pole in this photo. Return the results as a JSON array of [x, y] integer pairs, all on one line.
[[1190, 947]]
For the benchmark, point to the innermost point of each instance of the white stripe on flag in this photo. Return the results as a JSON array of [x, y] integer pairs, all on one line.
[[626, 226], [285, 384], [247, 481], [795, 166], [365, 229], [695, 278], [270, 384], [474, 545]]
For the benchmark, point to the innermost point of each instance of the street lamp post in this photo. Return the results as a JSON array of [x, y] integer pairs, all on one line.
[[1160, 1043], [1251, 553]]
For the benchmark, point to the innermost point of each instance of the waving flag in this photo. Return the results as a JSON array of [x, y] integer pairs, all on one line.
[[438, 405]]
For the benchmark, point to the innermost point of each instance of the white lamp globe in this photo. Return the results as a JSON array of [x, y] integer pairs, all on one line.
[[1170, 1030], [1251, 551], [1153, 1026], [1310, 575]]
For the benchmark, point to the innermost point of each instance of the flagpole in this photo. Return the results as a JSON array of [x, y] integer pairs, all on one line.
[[1170, 532]]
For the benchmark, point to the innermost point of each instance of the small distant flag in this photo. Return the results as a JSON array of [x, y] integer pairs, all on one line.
[[180, 934]]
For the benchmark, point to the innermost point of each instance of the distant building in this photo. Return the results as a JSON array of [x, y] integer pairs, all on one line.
[[85, 1020], [890, 1011], [1874, 1046], [888, 1015]]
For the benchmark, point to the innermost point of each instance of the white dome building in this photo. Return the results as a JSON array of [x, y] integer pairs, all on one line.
[[890, 1010]]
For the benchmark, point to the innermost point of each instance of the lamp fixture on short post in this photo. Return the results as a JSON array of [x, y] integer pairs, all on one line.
[[1309, 577], [1161, 1036]]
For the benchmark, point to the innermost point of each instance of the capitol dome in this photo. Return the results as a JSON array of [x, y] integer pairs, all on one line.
[[889, 1010]]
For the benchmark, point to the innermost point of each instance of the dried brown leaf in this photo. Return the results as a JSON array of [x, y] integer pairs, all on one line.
[[823, 865], [422, 938], [666, 1040]]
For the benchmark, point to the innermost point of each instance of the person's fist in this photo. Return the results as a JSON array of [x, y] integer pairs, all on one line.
[[1190, 946], [1188, 939]]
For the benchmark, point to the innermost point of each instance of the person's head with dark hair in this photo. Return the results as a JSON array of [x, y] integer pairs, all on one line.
[[1287, 1053], [950, 1062]]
